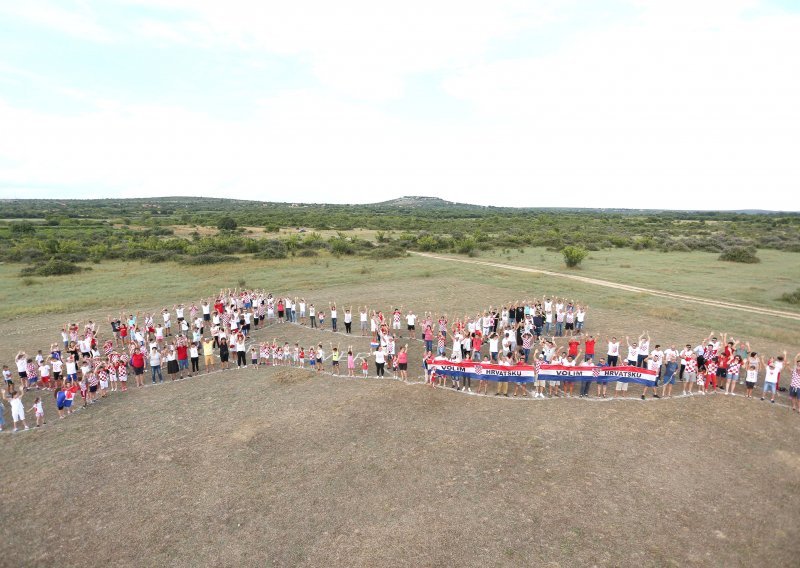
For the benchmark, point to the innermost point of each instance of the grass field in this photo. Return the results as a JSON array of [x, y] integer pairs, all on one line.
[[695, 273], [276, 466]]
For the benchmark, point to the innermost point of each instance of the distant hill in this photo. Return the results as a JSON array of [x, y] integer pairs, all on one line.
[[417, 201]]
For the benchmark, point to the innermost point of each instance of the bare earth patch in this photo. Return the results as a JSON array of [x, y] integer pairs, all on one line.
[[275, 466]]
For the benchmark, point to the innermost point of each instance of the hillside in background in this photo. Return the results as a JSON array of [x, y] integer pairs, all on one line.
[[206, 230]]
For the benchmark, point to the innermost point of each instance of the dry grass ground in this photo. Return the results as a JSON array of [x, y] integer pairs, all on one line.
[[277, 466], [274, 466]]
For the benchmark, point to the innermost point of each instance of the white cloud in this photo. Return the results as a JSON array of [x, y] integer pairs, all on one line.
[[80, 22], [359, 48], [674, 108]]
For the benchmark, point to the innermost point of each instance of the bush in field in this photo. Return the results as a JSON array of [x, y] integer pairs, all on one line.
[[340, 246], [791, 297], [53, 267], [272, 248], [209, 258], [573, 256], [308, 253], [739, 254], [227, 224], [22, 228], [382, 253], [465, 246]]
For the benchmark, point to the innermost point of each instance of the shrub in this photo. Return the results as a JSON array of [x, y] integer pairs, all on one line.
[[465, 246], [308, 253], [340, 246], [272, 249], [573, 256], [22, 228], [53, 267], [739, 254], [208, 258], [382, 253], [791, 297], [227, 224]]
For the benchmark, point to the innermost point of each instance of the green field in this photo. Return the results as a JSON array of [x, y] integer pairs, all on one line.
[[425, 284], [694, 273]]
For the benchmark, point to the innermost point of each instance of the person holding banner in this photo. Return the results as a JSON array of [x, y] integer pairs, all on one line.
[[584, 392], [520, 383], [602, 382], [571, 361], [483, 384]]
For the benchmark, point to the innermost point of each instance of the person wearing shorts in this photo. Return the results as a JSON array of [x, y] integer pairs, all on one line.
[[621, 387], [771, 381], [208, 353]]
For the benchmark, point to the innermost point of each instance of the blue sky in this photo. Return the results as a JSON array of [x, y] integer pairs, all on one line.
[[626, 103]]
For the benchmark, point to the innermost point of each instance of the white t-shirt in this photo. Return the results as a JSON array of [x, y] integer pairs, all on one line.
[[772, 375], [411, 319], [657, 357], [644, 347], [57, 365], [613, 348]]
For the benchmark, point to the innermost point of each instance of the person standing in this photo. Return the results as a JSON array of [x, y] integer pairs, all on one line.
[[771, 380], [17, 408], [794, 387]]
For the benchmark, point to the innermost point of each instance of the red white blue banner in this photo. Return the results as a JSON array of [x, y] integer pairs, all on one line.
[[598, 374], [527, 373], [477, 370]]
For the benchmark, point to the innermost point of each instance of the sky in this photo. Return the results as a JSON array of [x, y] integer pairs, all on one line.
[[665, 104]]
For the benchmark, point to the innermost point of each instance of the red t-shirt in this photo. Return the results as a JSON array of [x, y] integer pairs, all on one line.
[[137, 360], [573, 347], [590, 346], [182, 352]]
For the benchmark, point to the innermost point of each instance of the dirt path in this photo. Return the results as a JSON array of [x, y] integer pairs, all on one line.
[[626, 287]]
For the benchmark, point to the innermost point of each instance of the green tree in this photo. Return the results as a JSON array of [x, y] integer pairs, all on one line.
[[573, 255], [22, 228], [227, 224]]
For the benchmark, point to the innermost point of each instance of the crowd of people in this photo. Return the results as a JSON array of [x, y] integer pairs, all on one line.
[[84, 367]]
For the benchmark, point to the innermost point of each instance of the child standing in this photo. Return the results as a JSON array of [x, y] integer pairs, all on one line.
[[38, 410], [351, 364], [17, 408]]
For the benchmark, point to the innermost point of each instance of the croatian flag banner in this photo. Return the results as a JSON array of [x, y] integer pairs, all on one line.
[[606, 374], [483, 371]]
